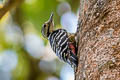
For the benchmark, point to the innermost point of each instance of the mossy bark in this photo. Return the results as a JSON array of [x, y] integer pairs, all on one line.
[[99, 40]]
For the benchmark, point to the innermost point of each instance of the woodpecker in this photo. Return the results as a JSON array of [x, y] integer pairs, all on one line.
[[62, 42]]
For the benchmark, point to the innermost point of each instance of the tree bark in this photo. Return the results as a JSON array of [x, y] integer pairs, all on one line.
[[99, 40]]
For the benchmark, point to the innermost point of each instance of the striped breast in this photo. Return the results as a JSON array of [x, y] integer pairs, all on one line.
[[59, 42]]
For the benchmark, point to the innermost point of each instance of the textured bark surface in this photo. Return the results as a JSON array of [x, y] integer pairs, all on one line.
[[99, 40]]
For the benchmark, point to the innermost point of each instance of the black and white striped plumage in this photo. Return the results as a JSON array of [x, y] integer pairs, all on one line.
[[61, 43]]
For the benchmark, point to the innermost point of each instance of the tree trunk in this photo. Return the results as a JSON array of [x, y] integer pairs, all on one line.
[[99, 40]]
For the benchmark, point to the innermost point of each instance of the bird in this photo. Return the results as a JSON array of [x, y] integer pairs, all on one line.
[[61, 42]]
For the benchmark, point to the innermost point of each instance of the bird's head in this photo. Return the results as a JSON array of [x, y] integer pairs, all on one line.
[[47, 27]]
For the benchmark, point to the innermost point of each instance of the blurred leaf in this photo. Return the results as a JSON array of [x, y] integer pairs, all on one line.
[[22, 71], [39, 11]]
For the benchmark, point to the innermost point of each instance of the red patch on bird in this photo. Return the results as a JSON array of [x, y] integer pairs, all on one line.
[[72, 47]]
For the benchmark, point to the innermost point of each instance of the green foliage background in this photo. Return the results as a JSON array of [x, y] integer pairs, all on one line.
[[30, 16]]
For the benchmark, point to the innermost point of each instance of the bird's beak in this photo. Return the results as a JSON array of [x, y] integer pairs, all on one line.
[[51, 18], [51, 23]]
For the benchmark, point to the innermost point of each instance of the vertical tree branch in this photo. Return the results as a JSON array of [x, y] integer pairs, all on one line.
[[99, 40], [8, 6]]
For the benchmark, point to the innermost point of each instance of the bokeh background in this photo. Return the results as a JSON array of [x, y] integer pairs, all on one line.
[[24, 53]]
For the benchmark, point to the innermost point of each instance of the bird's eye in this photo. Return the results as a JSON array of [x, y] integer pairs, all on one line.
[[44, 25]]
